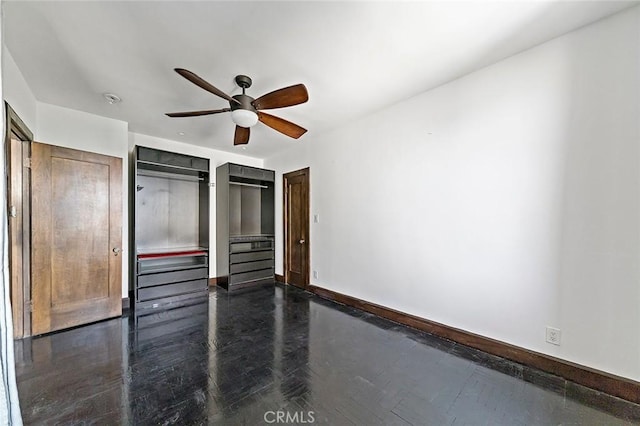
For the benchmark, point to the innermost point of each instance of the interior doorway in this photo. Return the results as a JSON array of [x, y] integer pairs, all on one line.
[[296, 227]]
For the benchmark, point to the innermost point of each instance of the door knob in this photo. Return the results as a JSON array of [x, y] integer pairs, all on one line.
[[117, 250], [301, 241]]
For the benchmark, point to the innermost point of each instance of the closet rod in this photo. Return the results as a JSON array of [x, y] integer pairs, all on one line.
[[253, 185], [173, 176]]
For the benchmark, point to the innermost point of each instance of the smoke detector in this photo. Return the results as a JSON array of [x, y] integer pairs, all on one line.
[[111, 98]]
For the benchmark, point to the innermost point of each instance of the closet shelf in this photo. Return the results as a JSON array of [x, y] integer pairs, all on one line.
[[154, 269]]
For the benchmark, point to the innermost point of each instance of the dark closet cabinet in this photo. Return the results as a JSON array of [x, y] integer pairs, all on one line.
[[245, 226], [169, 229]]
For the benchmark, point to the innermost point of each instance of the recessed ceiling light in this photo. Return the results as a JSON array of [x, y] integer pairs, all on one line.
[[181, 133], [112, 98], [244, 148]]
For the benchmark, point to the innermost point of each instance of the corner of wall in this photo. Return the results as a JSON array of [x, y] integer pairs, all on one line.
[[16, 90]]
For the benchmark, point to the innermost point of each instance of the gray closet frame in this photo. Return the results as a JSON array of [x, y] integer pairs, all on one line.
[[169, 231], [245, 226]]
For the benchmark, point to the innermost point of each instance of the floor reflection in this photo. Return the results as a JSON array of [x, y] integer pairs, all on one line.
[[246, 358], [167, 368], [72, 376]]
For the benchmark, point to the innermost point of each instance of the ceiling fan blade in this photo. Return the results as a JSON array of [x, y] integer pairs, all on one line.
[[241, 136], [281, 125], [197, 113], [288, 96], [198, 81]]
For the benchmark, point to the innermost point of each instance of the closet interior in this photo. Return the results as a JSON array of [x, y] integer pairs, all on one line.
[[245, 226], [170, 235]]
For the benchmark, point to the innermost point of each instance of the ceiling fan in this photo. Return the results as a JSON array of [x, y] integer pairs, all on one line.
[[247, 111]]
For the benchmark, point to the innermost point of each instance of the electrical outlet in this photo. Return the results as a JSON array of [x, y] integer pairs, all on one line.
[[316, 218], [553, 336], [315, 275]]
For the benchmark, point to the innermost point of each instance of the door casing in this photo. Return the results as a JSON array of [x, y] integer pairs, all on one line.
[[18, 139]]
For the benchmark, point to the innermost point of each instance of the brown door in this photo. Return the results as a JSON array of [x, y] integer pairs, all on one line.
[[296, 228], [76, 237], [16, 240]]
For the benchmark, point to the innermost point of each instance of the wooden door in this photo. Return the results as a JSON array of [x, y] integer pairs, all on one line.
[[17, 241], [14, 198], [296, 228], [76, 237]]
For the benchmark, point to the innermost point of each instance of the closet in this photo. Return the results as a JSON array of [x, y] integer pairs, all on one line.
[[245, 226], [170, 230]]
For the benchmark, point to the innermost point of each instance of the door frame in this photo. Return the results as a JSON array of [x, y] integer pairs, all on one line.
[[285, 222], [19, 183]]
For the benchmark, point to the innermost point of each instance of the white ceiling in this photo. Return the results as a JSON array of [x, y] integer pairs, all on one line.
[[354, 57]]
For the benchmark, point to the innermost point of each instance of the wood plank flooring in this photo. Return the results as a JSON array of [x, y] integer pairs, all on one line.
[[280, 355]]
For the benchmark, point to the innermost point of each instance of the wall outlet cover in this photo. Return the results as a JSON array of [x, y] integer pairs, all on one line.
[[553, 336]]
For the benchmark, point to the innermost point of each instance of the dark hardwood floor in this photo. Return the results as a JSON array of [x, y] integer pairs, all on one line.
[[280, 355]]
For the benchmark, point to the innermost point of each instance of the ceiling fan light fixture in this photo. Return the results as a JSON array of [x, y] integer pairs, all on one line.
[[244, 117]]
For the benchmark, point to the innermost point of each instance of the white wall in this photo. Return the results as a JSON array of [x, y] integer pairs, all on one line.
[[17, 92], [500, 203], [80, 130], [216, 158]]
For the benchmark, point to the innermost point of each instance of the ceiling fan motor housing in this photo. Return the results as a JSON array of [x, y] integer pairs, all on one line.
[[245, 103]]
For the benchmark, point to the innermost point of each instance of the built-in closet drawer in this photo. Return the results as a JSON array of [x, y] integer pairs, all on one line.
[[168, 264], [146, 307], [156, 292], [250, 246], [251, 276], [252, 256], [172, 277], [251, 266]]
